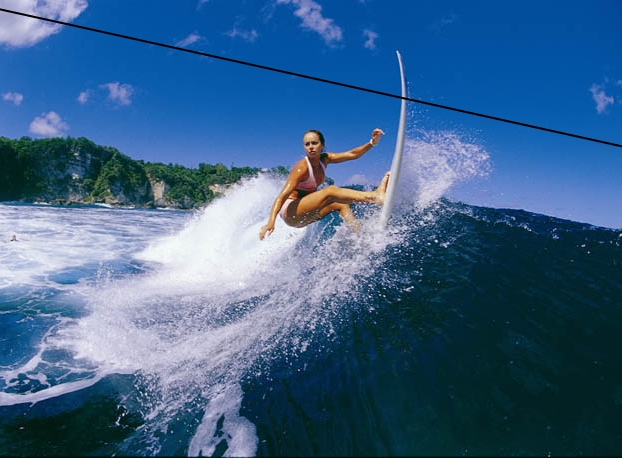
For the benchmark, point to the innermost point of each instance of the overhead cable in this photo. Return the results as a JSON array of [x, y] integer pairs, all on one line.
[[314, 78]]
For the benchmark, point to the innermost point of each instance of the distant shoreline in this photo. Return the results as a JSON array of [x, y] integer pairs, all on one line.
[[76, 204]]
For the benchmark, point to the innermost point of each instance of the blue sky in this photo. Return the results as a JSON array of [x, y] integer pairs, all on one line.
[[553, 64]]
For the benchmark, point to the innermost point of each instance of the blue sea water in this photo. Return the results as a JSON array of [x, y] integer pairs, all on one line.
[[459, 331]]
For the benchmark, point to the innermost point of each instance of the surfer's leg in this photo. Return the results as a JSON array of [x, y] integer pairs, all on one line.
[[318, 204], [329, 195], [346, 214], [344, 211]]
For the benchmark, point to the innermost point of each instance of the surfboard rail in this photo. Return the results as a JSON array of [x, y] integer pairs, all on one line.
[[396, 164]]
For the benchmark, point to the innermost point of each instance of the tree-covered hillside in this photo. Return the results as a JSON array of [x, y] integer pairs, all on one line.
[[76, 170]]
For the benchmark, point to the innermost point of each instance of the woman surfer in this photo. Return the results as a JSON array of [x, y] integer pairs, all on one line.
[[300, 202]]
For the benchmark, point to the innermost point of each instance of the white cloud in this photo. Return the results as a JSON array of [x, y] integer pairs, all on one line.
[[444, 22], [190, 39], [370, 39], [48, 125], [358, 179], [246, 35], [19, 31], [14, 97], [84, 96], [311, 14], [119, 93], [448, 20], [602, 100]]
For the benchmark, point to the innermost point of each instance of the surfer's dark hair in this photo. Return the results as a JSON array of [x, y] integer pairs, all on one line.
[[318, 133]]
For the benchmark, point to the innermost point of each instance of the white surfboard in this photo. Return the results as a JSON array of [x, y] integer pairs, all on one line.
[[397, 156]]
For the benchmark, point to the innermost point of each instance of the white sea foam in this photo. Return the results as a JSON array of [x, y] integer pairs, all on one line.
[[53, 240], [237, 431], [9, 399], [219, 303], [213, 304]]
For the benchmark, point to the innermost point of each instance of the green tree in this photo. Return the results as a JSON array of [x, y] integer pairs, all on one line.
[[41, 169]]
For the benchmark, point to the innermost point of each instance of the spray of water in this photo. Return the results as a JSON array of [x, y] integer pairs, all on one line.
[[218, 305], [436, 161], [215, 305]]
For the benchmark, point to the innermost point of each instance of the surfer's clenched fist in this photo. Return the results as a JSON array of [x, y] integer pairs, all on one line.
[[375, 136]]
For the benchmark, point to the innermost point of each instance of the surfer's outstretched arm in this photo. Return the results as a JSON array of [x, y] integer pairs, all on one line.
[[355, 153]]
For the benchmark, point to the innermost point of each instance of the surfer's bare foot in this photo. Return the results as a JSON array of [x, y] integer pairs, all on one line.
[[381, 190]]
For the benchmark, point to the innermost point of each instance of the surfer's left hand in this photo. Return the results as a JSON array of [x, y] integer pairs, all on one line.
[[267, 229], [375, 136]]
